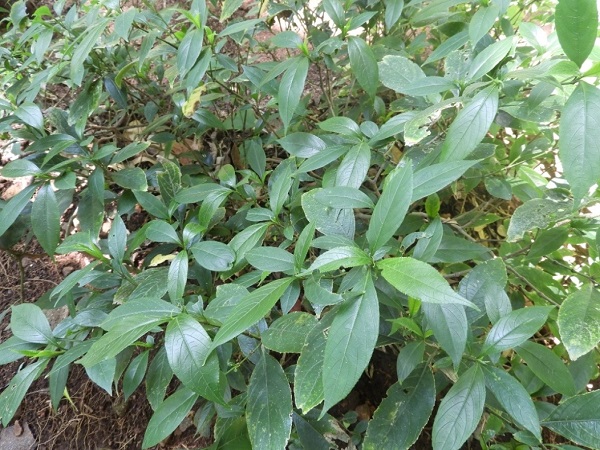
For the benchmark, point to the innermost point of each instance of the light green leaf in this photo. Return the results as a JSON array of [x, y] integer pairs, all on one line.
[[404, 412], [214, 255], [548, 367], [178, 273], [168, 416], [429, 85], [398, 73], [188, 348], [340, 257], [391, 207], [341, 125], [161, 231], [343, 197], [482, 21], [419, 280], [489, 58], [189, 51], [579, 321], [103, 373], [291, 88], [354, 167], [363, 64], [302, 145], [448, 46], [19, 168], [269, 407], [271, 259], [470, 126], [45, 218], [350, 343], [515, 328], [28, 322], [251, 309], [460, 411], [577, 28], [288, 333], [514, 399], [579, 143], [435, 177], [577, 419], [450, 328]]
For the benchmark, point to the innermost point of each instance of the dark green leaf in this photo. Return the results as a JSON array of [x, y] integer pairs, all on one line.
[[103, 373], [460, 410], [271, 259], [178, 273], [269, 407], [135, 373], [489, 58], [28, 322], [577, 28], [393, 12], [291, 88], [404, 412], [14, 393], [579, 321], [363, 64], [343, 197], [11, 210], [161, 231], [391, 207], [117, 239], [410, 357], [450, 328], [302, 145], [133, 178], [354, 167], [158, 378], [434, 178], [45, 218], [189, 51], [340, 257], [308, 377], [31, 115], [341, 125], [20, 168], [419, 280], [213, 255], [288, 333]]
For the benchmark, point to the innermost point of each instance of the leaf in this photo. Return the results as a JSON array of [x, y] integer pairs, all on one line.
[[31, 115], [514, 399], [161, 231], [10, 348], [188, 347], [419, 280], [82, 51], [28, 322], [515, 328], [158, 378], [397, 72], [363, 65], [434, 178], [45, 218], [178, 273], [229, 7], [354, 167], [350, 343], [341, 125], [271, 259], [482, 21], [450, 328], [579, 321], [577, 419], [536, 213], [393, 12], [547, 367], [489, 58], [117, 239], [460, 411], [189, 51], [399, 419], [269, 407], [577, 28], [429, 85], [279, 185], [103, 373], [302, 145], [308, 376], [470, 126], [168, 416], [133, 178], [251, 309], [20, 168], [288, 333], [427, 246], [14, 393], [340, 257], [329, 221], [213, 255], [448, 46], [579, 143], [11, 210], [391, 208], [409, 358], [303, 244], [343, 197], [135, 374], [291, 88]]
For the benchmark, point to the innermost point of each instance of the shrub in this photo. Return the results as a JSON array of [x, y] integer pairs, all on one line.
[[415, 176]]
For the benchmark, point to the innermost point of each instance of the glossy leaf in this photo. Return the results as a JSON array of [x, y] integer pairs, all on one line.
[[419, 280], [579, 321], [158, 378], [28, 322], [291, 89], [460, 411], [45, 218], [391, 208], [363, 64], [269, 407], [404, 412], [515, 328], [435, 177], [577, 419], [577, 28], [579, 143], [350, 343], [251, 309], [302, 145], [470, 126], [189, 50], [178, 274], [213, 255]]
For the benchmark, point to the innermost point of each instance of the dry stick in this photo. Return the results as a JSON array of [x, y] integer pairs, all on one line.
[[528, 283]]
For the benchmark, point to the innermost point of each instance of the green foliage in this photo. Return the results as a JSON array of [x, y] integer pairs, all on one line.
[[414, 177]]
